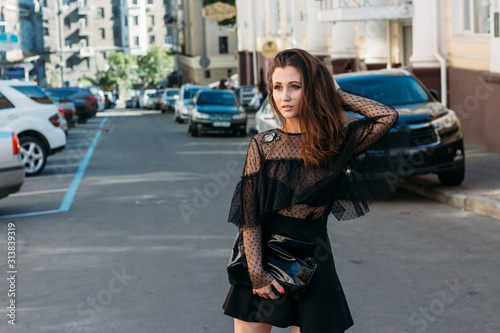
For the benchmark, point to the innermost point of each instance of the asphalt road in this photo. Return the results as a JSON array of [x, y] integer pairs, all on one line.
[[140, 242]]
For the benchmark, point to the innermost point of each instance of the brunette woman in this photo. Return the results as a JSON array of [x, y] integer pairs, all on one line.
[[294, 176]]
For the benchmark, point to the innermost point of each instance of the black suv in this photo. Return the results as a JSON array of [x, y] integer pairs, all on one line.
[[428, 136]]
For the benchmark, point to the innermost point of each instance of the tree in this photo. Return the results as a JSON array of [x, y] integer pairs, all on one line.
[[154, 66], [119, 71]]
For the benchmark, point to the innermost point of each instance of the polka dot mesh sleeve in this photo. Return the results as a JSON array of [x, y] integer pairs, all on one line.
[[251, 227], [380, 116]]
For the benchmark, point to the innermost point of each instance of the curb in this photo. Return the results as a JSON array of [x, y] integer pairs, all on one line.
[[469, 202]]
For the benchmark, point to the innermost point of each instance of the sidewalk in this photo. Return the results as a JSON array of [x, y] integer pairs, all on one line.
[[480, 191]]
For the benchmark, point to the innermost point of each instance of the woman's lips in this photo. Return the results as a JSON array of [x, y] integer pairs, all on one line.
[[287, 107]]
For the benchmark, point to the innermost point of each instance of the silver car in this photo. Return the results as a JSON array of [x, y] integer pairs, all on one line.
[[11, 166]]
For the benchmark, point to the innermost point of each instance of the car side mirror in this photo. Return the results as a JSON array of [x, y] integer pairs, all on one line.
[[434, 94], [176, 97]]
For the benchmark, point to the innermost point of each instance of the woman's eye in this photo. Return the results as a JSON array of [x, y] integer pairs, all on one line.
[[296, 86], [277, 87]]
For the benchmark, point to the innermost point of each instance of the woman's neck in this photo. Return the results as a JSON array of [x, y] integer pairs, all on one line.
[[292, 126]]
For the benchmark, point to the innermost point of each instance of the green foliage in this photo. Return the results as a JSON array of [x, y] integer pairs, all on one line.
[[119, 71], [154, 66]]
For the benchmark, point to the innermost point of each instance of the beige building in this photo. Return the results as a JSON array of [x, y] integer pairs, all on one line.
[[201, 39], [452, 46]]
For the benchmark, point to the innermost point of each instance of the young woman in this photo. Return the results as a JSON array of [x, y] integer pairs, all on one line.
[[294, 176]]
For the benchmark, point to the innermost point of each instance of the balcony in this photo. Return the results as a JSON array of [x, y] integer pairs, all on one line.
[[364, 10], [84, 10], [85, 31], [86, 52]]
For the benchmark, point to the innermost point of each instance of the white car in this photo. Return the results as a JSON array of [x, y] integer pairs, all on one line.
[[143, 98], [33, 116], [265, 118], [11, 166], [186, 94]]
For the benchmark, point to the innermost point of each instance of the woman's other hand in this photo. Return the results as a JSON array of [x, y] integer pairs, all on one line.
[[267, 292]]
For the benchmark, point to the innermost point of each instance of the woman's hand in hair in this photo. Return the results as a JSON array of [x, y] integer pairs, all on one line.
[[267, 292]]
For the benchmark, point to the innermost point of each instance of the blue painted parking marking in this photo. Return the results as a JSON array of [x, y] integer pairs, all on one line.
[[75, 183], [70, 195]]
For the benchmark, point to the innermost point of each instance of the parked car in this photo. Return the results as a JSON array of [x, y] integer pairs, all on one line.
[[67, 107], [428, 136], [11, 164], [99, 96], [168, 99], [85, 103], [186, 95], [143, 98], [33, 116], [265, 119], [132, 103], [109, 100], [245, 95], [149, 101], [157, 99], [217, 110]]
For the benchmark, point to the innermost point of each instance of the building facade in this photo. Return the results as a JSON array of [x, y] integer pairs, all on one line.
[[23, 20], [81, 34], [207, 49], [448, 44]]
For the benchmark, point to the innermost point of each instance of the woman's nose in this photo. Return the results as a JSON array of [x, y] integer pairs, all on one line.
[[286, 95]]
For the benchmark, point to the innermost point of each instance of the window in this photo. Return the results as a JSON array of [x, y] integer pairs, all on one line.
[[100, 13], [476, 17], [275, 14], [126, 21], [45, 31], [152, 20], [207, 74], [150, 2], [104, 55], [223, 45], [87, 63], [83, 43], [168, 39], [136, 41], [102, 33], [116, 33], [151, 39], [4, 102], [35, 93], [69, 64], [136, 20], [116, 11], [67, 22], [134, 2], [67, 42], [497, 28], [82, 22]]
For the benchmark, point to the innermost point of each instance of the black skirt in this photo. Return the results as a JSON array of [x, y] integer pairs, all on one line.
[[321, 308]]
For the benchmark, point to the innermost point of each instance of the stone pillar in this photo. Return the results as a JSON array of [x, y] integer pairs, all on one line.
[[423, 35]]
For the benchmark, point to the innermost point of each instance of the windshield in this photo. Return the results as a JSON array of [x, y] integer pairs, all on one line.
[[190, 92], [390, 90], [216, 98], [171, 93]]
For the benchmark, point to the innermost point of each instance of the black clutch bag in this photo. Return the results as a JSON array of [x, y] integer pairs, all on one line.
[[291, 262]]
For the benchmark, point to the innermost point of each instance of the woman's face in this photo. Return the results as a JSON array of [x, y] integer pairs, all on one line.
[[287, 91]]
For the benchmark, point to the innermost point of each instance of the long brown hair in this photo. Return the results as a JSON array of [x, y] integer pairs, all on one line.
[[321, 118]]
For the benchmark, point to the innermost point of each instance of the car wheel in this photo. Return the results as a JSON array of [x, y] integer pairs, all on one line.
[[163, 111], [33, 154], [453, 177], [242, 133], [194, 131]]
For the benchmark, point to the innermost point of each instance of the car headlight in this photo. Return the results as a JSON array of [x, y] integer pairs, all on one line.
[[200, 115], [240, 116], [445, 123]]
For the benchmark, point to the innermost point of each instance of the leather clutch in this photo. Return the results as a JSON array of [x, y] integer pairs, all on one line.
[[291, 262]]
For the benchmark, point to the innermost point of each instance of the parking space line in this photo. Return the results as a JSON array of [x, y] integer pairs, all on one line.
[[22, 194], [71, 191], [45, 212], [73, 187]]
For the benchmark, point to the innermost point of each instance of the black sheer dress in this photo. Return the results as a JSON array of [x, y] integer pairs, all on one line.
[[277, 193]]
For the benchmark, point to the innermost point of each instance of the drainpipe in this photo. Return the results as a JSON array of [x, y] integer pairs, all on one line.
[[436, 54]]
